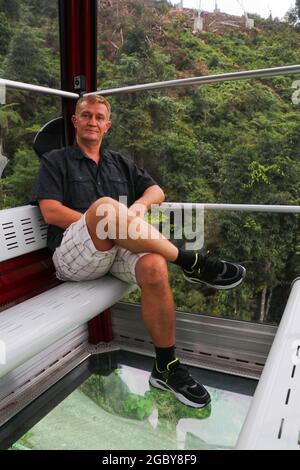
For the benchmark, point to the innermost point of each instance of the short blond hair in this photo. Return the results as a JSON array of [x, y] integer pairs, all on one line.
[[92, 99]]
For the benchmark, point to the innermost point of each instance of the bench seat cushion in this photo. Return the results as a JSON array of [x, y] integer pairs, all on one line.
[[28, 328]]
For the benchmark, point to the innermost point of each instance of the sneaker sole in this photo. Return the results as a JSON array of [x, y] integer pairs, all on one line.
[[218, 287], [156, 383]]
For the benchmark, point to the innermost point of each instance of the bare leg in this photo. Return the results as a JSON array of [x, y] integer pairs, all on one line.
[[111, 215], [157, 299]]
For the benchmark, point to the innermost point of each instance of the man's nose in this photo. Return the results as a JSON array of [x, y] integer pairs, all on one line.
[[93, 121]]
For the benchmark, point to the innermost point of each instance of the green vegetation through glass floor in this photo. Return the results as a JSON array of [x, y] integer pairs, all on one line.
[[119, 411]]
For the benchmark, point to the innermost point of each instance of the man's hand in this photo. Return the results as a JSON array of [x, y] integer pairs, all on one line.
[[152, 196], [138, 209]]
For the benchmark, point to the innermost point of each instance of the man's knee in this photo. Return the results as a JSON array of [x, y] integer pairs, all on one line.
[[151, 269], [106, 203], [103, 208], [101, 222]]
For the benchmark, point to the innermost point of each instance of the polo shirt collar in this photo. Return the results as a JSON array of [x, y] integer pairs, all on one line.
[[79, 154]]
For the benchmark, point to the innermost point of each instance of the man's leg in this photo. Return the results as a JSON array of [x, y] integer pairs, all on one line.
[[159, 317], [107, 217], [121, 224], [157, 299]]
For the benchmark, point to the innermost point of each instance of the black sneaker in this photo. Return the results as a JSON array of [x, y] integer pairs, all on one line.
[[177, 379], [215, 273]]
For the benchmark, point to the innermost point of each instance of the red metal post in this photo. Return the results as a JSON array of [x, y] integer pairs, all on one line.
[[78, 42], [100, 328]]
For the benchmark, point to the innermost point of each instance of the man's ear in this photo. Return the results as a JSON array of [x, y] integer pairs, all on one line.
[[109, 124], [74, 120]]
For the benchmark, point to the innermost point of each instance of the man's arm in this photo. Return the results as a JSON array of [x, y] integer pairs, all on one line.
[[55, 213], [152, 195]]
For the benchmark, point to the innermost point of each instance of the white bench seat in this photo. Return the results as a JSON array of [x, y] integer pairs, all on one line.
[[35, 324]]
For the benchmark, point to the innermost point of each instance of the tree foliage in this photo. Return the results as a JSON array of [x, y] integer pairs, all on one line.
[[11, 8], [5, 33]]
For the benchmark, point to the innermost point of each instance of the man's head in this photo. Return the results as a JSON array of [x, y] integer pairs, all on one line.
[[91, 119]]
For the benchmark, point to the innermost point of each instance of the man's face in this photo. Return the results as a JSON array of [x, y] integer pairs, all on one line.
[[91, 122]]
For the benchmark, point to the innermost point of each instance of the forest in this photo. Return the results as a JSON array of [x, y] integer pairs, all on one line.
[[230, 142]]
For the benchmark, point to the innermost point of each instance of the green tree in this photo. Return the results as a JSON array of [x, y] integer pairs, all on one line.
[[7, 116], [27, 59], [42, 8], [136, 41], [17, 186], [5, 33], [11, 9]]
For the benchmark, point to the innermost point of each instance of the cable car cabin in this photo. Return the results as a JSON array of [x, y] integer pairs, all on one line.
[[43, 322]]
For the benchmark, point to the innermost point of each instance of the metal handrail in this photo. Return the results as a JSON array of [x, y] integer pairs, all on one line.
[[207, 79], [37, 88], [233, 207], [259, 73]]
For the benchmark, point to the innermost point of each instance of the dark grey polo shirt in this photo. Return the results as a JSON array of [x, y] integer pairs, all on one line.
[[72, 178]]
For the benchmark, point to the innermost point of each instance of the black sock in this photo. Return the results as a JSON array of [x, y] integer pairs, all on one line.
[[189, 260], [164, 356]]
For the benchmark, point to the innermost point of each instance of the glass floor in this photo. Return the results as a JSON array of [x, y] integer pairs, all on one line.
[[113, 408]]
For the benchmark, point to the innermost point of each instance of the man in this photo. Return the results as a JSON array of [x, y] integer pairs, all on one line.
[[91, 233]]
